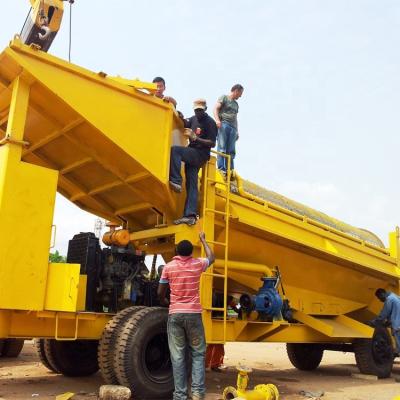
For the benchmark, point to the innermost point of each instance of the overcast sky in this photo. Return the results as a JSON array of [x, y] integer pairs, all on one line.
[[319, 118]]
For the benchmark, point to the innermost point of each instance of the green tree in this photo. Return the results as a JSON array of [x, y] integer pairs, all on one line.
[[57, 258]]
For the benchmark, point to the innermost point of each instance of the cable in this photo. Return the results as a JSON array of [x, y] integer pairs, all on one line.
[[26, 19], [70, 31]]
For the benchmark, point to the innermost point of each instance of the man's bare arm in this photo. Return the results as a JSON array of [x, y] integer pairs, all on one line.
[[170, 100], [217, 109], [209, 253], [162, 293]]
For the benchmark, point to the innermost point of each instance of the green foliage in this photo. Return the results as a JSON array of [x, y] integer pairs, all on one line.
[[57, 258]]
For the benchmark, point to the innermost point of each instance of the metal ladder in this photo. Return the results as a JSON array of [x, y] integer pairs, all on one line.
[[211, 182]]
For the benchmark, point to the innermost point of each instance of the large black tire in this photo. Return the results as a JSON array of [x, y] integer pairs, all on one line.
[[72, 358], [12, 347], [2, 342], [39, 344], [375, 356], [108, 343], [142, 360], [305, 356], [49, 355]]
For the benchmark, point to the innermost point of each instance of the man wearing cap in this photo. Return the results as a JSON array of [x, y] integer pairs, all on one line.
[[202, 135]]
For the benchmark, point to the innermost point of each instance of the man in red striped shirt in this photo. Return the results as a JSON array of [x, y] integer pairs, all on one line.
[[185, 326]]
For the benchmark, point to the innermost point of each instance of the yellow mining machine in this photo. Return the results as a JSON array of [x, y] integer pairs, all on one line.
[[300, 277]]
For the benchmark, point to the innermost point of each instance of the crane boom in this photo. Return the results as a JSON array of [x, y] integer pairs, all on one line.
[[43, 22]]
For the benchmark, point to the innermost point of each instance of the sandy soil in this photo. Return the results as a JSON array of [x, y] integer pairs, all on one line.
[[25, 378]]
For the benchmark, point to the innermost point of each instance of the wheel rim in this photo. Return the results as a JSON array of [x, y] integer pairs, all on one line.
[[156, 360]]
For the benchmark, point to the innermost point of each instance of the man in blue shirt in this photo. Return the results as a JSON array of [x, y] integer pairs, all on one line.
[[390, 312]]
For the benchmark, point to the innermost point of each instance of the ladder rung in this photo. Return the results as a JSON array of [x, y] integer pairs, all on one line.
[[210, 184], [214, 275], [217, 243], [215, 211]]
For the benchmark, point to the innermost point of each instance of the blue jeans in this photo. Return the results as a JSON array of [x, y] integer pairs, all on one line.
[[186, 334], [227, 136], [193, 163]]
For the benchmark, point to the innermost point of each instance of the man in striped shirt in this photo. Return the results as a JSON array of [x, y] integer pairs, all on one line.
[[185, 326]]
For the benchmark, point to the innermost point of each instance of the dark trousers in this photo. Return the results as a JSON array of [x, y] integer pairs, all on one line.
[[193, 163]]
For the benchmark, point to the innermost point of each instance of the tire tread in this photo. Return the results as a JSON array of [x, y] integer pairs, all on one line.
[[64, 359], [108, 342], [12, 347], [39, 346], [128, 345], [365, 359]]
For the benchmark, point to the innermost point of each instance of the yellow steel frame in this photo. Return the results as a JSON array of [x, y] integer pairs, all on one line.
[[52, 324], [334, 327], [327, 274], [27, 196]]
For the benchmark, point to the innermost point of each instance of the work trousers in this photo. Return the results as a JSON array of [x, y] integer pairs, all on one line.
[[193, 163], [227, 136], [186, 336]]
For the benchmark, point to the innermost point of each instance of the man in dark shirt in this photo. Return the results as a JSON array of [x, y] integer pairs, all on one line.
[[202, 135]]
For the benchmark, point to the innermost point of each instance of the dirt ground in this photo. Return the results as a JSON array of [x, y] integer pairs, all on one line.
[[25, 378]]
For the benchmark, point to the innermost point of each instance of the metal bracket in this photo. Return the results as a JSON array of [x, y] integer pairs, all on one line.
[[66, 339], [8, 139]]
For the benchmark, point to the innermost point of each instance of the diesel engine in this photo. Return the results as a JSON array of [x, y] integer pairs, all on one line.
[[117, 277]]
